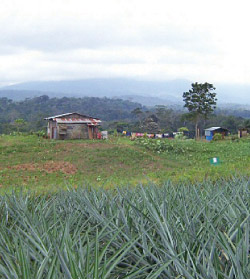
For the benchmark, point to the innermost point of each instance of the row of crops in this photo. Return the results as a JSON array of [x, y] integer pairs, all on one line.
[[166, 231], [191, 146]]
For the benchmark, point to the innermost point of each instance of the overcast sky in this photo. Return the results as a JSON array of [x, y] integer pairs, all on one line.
[[143, 39]]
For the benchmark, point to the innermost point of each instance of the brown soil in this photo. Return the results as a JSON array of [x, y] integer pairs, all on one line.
[[49, 167]]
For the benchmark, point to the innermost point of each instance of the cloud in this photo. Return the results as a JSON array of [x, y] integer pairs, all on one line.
[[64, 39]]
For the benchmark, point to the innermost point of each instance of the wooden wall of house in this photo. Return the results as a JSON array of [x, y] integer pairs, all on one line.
[[52, 130], [242, 133], [93, 130], [73, 131]]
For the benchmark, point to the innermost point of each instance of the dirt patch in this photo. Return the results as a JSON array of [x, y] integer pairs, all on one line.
[[49, 167], [64, 167]]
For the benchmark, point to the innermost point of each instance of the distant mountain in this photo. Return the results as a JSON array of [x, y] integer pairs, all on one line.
[[170, 91], [19, 95], [106, 87], [149, 101], [148, 93]]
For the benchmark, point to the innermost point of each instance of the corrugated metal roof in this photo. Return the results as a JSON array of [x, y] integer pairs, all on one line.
[[92, 121], [67, 114], [214, 128]]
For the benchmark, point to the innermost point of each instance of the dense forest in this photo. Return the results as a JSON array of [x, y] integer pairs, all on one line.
[[116, 114], [34, 110]]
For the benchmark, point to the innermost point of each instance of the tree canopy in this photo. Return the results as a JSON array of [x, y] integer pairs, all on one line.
[[200, 101]]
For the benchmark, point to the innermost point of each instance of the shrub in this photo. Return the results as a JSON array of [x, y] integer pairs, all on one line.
[[183, 129], [161, 145], [234, 138], [180, 137], [41, 133], [217, 137]]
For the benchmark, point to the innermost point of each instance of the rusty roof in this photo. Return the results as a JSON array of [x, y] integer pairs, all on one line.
[[67, 114], [85, 120]]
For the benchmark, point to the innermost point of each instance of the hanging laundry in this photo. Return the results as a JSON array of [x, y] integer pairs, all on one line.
[[104, 134], [133, 136], [150, 136], [139, 134], [99, 135]]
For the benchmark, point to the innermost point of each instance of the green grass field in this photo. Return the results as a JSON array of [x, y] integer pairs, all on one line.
[[32, 163]]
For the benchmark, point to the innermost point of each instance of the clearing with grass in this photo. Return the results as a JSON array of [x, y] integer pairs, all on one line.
[[41, 165]]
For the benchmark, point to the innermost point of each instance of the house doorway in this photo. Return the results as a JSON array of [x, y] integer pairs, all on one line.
[[54, 133]]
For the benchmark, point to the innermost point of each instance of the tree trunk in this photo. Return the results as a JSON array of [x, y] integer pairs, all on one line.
[[196, 130], [196, 127]]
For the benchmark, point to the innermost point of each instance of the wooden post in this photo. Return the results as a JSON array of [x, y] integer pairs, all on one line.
[[90, 132], [95, 131]]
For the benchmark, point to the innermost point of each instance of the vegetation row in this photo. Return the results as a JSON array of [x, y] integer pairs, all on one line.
[[167, 231]]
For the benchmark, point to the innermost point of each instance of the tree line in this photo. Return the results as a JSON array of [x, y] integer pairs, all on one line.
[[33, 111], [116, 114]]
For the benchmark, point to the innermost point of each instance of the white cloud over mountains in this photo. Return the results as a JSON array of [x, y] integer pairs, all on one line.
[[74, 39]]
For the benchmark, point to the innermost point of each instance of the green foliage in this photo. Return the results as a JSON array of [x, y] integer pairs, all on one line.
[[19, 123], [36, 164], [183, 129], [168, 120], [217, 136], [137, 112], [41, 133], [180, 137], [200, 100], [159, 145], [234, 138], [115, 113], [156, 231], [33, 111]]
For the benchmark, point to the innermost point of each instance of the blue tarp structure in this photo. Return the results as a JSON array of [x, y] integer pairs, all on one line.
[[209, 132]]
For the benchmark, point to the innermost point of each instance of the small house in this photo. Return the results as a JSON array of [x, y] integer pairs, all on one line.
[[242, 132], [210, 132], [72, 126]]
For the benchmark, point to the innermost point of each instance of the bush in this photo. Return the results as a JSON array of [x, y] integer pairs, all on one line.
[[180, 137], [234, 138], [161, 145], [183, 129], [217, 137], [41, 133]]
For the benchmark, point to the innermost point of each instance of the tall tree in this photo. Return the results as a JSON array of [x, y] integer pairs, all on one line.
[[200, 101], [138, 113]]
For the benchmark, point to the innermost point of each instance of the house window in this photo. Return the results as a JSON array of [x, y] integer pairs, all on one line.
[[207, 133]]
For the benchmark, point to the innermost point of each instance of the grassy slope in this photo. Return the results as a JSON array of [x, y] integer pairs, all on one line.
[[34, 163]]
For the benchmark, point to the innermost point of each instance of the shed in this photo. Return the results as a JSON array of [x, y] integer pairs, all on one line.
[[210, 132], [72, 126], [242, 132]]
